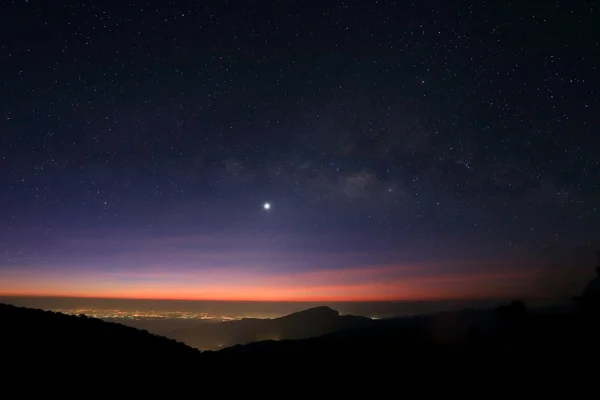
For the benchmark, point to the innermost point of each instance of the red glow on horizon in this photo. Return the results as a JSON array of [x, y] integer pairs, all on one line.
[[367, 284]]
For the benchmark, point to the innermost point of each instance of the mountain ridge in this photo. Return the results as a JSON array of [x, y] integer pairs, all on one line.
[[509, 331], [303, 324]]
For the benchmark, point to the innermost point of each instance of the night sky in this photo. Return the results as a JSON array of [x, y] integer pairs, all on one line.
[[418, 150]]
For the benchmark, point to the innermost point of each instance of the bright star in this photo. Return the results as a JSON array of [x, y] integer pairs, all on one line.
[[267, 206]]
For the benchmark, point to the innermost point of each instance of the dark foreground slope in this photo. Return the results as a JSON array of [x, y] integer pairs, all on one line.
[[45, 339], [35, 343], [309, 323]]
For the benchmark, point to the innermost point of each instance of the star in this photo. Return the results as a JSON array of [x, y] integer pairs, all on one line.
[[267, 206]]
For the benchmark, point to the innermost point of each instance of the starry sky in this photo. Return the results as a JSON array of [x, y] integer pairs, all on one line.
[[419, 150]]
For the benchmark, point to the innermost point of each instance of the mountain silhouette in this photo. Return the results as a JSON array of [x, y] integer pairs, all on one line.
[[309, 323], [43, 338], [508, 335], [35, 343]]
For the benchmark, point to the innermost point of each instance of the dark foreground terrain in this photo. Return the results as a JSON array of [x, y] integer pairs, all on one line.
[[36, 343]]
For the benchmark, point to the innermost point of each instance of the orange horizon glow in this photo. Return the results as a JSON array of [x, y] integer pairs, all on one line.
[[244, 300], [366, 284], [254, 267]]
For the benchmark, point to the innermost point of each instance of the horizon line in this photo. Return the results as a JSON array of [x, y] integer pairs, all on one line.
[[475, 299]]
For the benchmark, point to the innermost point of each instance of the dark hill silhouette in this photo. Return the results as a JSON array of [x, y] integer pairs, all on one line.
[[45, 338], [309, 323], [510, 335], [35, 343], [589, 300]]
